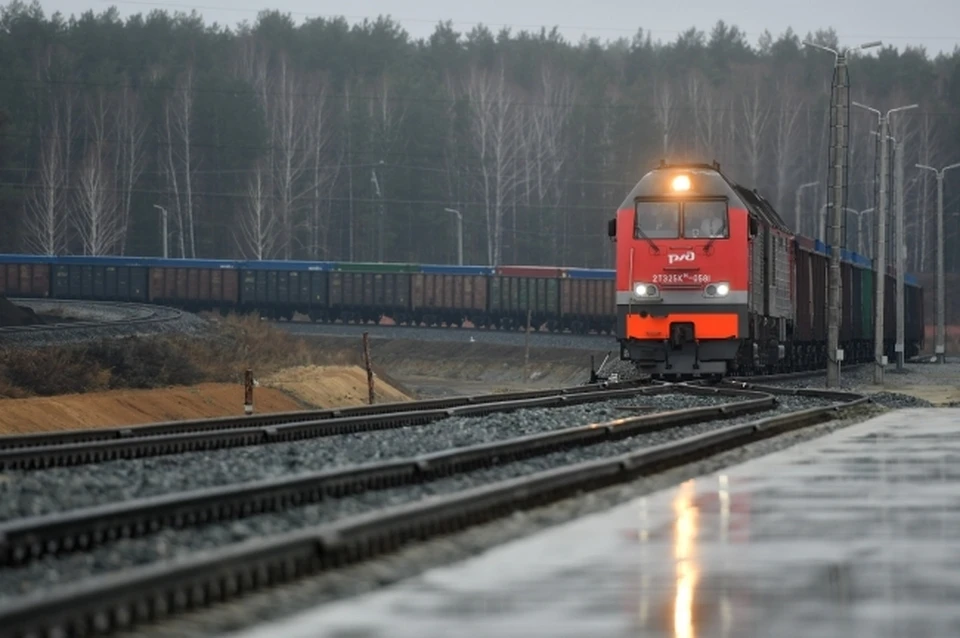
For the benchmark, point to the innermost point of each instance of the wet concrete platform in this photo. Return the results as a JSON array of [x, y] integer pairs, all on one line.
[[855, 534]]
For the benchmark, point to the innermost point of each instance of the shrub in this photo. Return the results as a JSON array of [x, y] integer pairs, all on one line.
[[151, 362]]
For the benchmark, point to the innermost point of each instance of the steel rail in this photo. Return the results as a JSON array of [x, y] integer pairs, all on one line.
[[150, 593], [279, 418], [71, 454], [789, 376], [27, 539]]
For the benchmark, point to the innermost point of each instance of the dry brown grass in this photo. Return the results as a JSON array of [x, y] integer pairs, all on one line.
[[240, 342]]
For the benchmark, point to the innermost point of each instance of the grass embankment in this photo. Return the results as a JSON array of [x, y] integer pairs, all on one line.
[[237, 343]]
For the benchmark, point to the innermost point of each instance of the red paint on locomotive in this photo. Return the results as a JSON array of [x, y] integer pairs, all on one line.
[[686, 251]]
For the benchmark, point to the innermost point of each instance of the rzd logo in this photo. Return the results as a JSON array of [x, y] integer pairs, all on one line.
[[675, 257]]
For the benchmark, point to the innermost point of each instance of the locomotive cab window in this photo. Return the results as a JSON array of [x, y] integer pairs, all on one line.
[[705, 220], [658, 220]]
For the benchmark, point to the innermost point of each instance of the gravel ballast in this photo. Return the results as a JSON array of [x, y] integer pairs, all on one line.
[[898, 384], [163, 321], [371, 575], [501, 337], [169, 543], [40, 492]]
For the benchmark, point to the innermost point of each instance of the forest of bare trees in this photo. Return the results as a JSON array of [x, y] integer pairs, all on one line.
[[330, 141]]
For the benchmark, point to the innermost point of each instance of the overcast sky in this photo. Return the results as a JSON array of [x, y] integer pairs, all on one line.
[[934, 24]]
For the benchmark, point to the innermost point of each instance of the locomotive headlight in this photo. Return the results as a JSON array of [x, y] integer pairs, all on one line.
[[644, 290], [721, 289], [681, 183]]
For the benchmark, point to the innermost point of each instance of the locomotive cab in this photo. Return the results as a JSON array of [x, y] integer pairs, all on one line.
[[684, 243]]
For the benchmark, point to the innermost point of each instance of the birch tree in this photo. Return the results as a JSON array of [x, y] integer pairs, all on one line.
[[258, 225], [131, 131], [45, 224], [97, 222], [324, 176], [664, 109], [496, 125], [710, 110], [756, 114], [786, 144], [546, 150], [289, 115], [178, 164]]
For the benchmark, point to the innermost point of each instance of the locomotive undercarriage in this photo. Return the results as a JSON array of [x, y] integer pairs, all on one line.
[[763, 352]]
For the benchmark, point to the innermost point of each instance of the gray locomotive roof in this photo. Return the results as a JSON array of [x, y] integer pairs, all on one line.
[[711, 182]]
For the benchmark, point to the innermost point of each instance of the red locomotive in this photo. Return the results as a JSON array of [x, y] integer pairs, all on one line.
[[706, 281]]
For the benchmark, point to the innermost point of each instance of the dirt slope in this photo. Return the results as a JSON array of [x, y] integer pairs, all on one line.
[[131, 407], [332, 386], [303, 388]]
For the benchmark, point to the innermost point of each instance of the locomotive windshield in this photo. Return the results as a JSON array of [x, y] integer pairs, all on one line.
[[700, 220], [705, 219], [658, 220]]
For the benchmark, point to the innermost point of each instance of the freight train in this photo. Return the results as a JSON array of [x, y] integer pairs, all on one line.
[[710, 281], [578, 300]]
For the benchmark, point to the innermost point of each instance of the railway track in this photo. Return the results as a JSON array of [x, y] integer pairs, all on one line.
[[129, 314], [134, 594], [60, 449]]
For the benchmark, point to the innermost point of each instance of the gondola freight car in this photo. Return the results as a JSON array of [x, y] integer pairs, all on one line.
[[578, 300]]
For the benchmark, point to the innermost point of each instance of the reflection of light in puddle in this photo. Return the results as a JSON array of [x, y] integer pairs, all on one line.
[[685, 532], [726, 610], [644, 571], [724, 493]]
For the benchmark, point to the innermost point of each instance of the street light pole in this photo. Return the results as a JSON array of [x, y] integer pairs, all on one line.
[[376, 186], [163, 216], [881, 258], [838, 98], [901, 246], [797, 220], [459, 233], [941, 329]]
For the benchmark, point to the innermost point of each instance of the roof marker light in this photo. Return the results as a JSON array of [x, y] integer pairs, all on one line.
[[681, 183]]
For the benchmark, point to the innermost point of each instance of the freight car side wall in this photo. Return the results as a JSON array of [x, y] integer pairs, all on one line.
[[365, 296], [442, 298], [580, 300], [282, 292], [105, 283], [588, 304], [512, 297], [25, 280], [195, 288]]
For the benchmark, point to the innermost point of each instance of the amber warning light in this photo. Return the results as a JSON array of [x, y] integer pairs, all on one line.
[[681, 183]]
